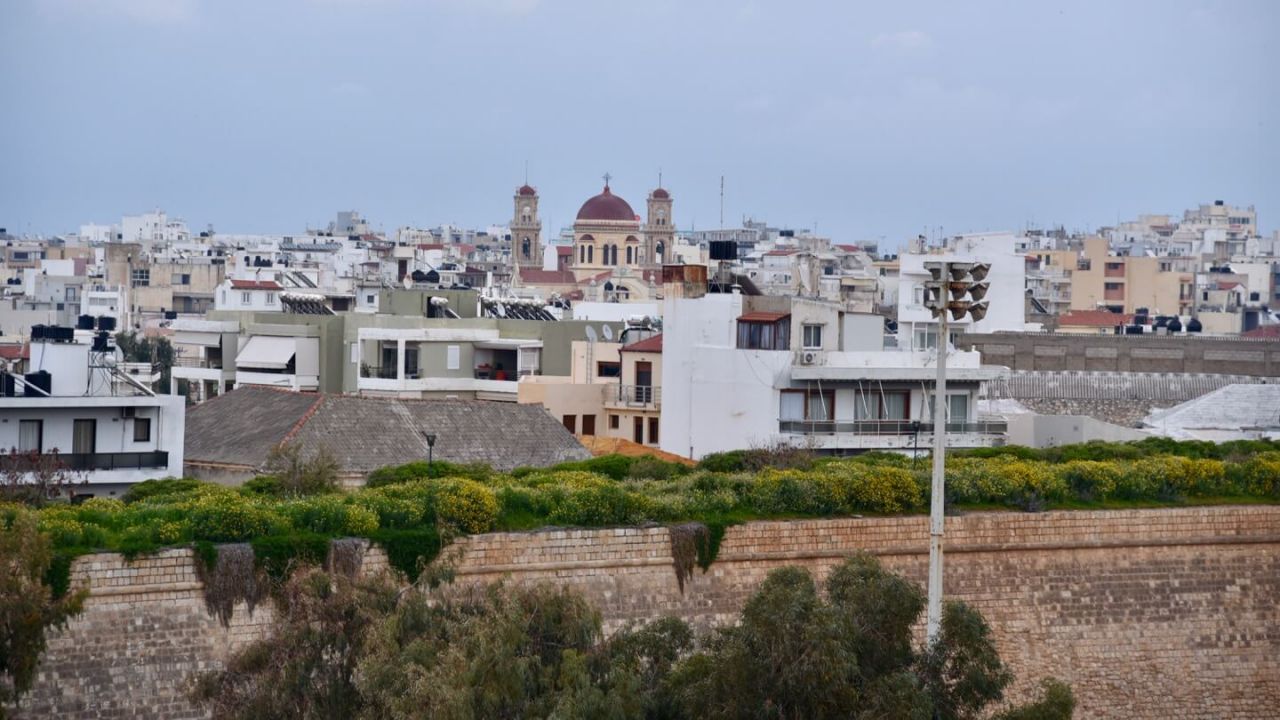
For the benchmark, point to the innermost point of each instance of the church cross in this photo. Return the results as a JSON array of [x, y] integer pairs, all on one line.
[[607, 178]]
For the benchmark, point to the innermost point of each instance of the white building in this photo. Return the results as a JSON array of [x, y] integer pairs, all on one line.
[[755, 371], [1006, 296], [248, 295], [110, 437]]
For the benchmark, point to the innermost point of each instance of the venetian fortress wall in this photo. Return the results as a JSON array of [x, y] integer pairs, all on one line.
[[1166, 614]]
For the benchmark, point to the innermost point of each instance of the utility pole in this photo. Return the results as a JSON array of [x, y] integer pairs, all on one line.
[[956, 288]]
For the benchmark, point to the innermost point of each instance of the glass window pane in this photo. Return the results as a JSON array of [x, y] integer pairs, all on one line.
[[29, 432], [792, 406]]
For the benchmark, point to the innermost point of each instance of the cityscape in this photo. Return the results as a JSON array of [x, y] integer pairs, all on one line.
[[608, 449]]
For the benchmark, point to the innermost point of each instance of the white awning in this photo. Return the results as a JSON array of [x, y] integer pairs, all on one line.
[[206, 339], [264, 352], [507, 344]]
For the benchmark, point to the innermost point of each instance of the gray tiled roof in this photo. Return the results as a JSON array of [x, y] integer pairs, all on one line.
[[242, 426], [1229, 408], [368, 433], [1156, 387]]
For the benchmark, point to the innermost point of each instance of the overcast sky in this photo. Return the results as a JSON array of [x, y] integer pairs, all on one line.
[[869, 119]]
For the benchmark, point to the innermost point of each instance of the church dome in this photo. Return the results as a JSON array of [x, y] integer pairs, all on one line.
[[526, 190], [661, 194], [606, 206]]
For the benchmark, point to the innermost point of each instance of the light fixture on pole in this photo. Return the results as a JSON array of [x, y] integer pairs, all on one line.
[[431, 445], [957, 289]]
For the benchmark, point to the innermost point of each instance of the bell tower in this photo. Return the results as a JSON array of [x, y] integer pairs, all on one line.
[[526, 229], [659, 233]]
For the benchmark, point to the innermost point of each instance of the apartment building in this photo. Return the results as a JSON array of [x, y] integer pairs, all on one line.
[[77, 404], [1162, 285]]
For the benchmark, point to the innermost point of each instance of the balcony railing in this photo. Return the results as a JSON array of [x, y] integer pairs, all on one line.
[[195, 362], [636, 396], [887, 427], [114, 461]]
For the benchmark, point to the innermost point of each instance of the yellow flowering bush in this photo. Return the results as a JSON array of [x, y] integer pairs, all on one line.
[[331, 515], [62, 530], [1259, 475], [1090, 479], [228, 517], [393, 511], [467, 504]]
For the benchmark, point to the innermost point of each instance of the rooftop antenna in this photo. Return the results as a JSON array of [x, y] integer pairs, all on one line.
[[722, 201], [659, 177]]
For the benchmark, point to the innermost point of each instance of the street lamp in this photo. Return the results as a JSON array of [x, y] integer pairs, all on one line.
[[431, 444], [956, 288]]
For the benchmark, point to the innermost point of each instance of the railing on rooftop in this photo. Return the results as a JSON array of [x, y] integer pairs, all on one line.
[[887, 427], [635, 395]]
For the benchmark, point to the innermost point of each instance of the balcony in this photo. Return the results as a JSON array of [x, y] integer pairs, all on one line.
[[892, 434], [196, 362], [114, 461], [634, 396]]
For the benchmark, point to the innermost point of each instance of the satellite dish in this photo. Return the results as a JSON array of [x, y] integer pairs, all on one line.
[[500, 309], [408, 282], [607, 332], [591, 334]]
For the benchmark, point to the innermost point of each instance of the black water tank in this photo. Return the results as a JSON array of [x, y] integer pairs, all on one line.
[[106, 322], [1175, 325], [39, 332], [1133, 330], [102, 342], [170, 314], [1194, 326], [40, 379], [8, 385], [724, 250], [85, 322]]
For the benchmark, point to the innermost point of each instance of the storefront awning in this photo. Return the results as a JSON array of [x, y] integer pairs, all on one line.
[[264, 352]]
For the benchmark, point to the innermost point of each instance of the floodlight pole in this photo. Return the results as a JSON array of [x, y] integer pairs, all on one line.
[[937, 489]]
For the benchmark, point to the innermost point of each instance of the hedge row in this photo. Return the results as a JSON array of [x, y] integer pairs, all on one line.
[[410, 507]]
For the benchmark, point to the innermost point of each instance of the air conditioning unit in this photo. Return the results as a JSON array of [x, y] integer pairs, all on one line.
[[128, 412], [808, 357]]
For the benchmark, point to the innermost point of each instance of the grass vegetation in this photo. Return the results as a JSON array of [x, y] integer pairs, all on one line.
[[411, 510]]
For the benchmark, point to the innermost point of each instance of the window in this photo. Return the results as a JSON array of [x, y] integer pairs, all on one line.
[[84, 436], [140, 277], [765, 335], [812, 337], [637, 430], [179, 279], [571, 423], [957, 408], [653, 431], [369, 298], [245, 297], [271, 298], [31, 436], [882, 405], [608, 369], [615, 422], [142, 429], [807, 405], [588, 424]]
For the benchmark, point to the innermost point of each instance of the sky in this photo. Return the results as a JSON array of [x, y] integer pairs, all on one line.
[[862, 120]]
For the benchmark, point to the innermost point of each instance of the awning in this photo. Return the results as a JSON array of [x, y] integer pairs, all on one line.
[[507, 344], [207, 339], [766, 317], [267, 353]]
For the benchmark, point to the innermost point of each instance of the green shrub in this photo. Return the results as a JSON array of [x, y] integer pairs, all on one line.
[[263, 485], [330, 515], [1259, 475], [651, 468], [62, 531], [421, 469], [392, 511], [467, 504], [733, 461], [228, 517], [280, 555], [613, 466], [409, 550], [1091, 480], [149, 489]]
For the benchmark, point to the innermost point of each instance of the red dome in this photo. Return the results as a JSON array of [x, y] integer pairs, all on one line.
[[526, 190], [661, 194], [606, 206]]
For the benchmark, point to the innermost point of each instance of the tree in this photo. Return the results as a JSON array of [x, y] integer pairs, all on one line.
[[27, 605], [298, 474], [33, 478], [157, 351]]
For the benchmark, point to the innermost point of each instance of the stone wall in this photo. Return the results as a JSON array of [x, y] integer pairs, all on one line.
[[1127, 353], [1147, 613]]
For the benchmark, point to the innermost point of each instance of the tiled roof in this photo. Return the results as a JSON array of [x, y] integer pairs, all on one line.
[[763, 316], [1233, 407], [538, 276], [564, 249], [242, 426], [1093, 318], [649, 345], [1065, 385], [17, 351], [255, 285], [1265, 331]]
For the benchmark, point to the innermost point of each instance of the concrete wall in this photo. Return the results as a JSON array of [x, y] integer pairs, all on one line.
[[1146, 613], [1038, 431], [1127, 353]]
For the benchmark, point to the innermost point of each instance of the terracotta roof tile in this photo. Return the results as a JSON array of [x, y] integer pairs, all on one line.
[[648, 345]]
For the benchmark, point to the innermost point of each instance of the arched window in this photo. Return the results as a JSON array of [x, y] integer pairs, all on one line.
[[591, 252], [614, 253], [524, 247], [630, 256], [582, 254], [658, 252]]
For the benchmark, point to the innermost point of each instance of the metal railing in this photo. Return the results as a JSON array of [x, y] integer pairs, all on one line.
[[636, 396], [195, 362], [114, 461], [887, 427]]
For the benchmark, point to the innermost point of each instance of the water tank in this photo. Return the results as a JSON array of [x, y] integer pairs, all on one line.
[[8, 385], [1133, 330], [1194, 326], [106, 322], [84, 322], [170, 314], [102, 342], [39, 332], [40, 379], [724, 250], [1175, 325]]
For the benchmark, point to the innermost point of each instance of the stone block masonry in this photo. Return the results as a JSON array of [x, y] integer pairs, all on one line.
[[1171, 613]]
